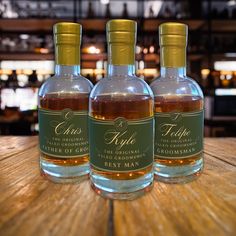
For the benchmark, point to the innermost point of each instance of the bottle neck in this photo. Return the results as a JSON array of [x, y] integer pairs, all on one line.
[[173, 72], [67, 54], [121, 55], [173, 56], [120, 70], [67, 71], [121, 59]]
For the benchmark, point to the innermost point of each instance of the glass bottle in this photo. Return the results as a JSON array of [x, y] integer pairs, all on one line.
[[121, 121], [63, 111], [179, 117]]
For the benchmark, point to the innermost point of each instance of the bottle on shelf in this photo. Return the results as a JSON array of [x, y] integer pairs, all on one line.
[[121, 121], [63, 111], [125, 11], [33, 78], [151, 12], [12, 80], [90, 13], [108, 11], [179, 117]]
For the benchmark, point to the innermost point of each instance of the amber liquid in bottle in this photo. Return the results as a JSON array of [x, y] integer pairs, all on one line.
[[60, 101], [178, 103], [131, 107]]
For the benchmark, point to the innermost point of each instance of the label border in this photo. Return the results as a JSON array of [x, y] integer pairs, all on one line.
[[58, 112], [182, 157], [123, 171], [62, 156], [183, 114]]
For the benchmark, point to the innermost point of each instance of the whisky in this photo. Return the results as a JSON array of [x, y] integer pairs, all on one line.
[[108, 107], [63, 111], [178, 111], [182, 103], [121, 122], [60, 101]]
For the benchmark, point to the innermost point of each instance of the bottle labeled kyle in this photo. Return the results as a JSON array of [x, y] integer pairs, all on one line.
[[179, 115], [63, 111], [121, 121]]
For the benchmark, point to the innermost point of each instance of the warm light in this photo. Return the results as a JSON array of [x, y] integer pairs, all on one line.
[[149, 72], [40, 78], [99, 64], [205, 72], [22, 80], [151, 49], [145, 50], [98, 71], [225, 65], [87, 71], [138, 49], [43, 72], [222, 77], [46, 65], [141, 65], [225, 92], [4, 77], [43, 50], [104, 1], [231, 3], [27, 72], [24, 36], [98, 77], [93, 50], [224, 72], [6, 72]]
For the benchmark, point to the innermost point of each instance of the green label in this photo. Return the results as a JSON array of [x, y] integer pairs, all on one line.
[[121, 145], [63, 133], [178, 135]]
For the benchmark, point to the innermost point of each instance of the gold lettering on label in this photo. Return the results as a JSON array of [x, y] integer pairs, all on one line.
[[131, 164], [119, 139], [66, 128], [112, 164], [173, 131]]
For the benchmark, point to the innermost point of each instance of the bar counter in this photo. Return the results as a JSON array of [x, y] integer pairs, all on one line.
[[31, 205]]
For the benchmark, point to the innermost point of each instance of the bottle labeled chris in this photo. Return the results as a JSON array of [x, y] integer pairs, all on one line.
[[179, 115], [63, 111], [121, 121]]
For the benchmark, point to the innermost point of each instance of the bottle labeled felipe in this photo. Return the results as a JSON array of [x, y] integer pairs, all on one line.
[[121, 121], [179, 116], [63, 111]]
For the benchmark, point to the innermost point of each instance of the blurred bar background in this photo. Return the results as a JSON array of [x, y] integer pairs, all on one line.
[[27, 53]]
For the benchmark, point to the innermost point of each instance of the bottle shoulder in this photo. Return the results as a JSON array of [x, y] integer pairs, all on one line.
[[184, 85], [57, 84], [121, 84]]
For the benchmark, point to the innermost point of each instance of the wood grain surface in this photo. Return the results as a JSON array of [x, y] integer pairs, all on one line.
[[31, 205]]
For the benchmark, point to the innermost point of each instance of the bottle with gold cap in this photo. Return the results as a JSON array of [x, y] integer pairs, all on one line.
[[178, 111], [121, 121], [63, 111]]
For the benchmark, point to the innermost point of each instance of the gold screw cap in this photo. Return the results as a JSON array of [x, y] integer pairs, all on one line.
[[121, 31], [173, 34], [67, 33]]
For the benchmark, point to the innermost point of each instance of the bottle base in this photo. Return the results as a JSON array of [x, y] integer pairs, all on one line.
[[121, 189], [178, 174], [64, 174]]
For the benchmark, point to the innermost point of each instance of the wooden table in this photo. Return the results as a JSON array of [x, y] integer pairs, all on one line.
[[31, 205]]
